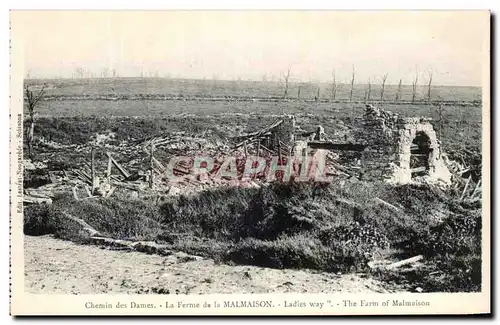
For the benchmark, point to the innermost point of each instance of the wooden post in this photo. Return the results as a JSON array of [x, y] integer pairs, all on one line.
[[87, 189], [475, 189], [117, 165], [465, 188], [279, 148], [108, 172], [245, 148], [92, 166], [74, 193], [441, 121], [151, 166]]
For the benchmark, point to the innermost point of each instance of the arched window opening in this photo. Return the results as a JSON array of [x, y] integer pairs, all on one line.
[[420, 153]]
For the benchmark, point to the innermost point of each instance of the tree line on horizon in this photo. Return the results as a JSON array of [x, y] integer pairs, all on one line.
[[368, 90]]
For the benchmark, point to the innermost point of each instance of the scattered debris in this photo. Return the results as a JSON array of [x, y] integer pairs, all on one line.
[[405, 262], [86, 228], [387, 146], [147, 247], [388, 205], [30, 165], [37, 200]]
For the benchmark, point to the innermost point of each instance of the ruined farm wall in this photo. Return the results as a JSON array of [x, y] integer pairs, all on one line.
[[389, 138], [378, 132], [408, 129]]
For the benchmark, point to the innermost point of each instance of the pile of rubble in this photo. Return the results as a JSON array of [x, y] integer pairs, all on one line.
[[145, 171], [142, 168]]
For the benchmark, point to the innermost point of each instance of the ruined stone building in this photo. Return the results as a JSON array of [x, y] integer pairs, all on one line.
[[400, 150], [391, 148]]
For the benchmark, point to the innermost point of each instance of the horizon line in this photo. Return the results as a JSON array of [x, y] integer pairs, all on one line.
[[241, 80]]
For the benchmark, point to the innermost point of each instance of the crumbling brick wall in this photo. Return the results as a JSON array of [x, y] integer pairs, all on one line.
[[389, 139]]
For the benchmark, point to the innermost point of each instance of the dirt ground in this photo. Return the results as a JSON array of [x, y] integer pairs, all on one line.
[[57, 266]]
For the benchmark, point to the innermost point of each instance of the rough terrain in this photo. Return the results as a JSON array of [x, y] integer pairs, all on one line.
[[57, 266]]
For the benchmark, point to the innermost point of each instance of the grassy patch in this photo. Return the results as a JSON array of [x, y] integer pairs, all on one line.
[[324, 227]]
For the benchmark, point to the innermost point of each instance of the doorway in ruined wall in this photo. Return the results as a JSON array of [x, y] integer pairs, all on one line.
[[420, 153]]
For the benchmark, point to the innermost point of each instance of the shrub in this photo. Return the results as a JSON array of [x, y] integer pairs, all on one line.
[[285, 252], [40, 219], [122, 219]]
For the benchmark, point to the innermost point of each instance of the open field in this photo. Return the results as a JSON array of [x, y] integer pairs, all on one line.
[[461, 123], [159, 108], [333, 228], [239, 88]]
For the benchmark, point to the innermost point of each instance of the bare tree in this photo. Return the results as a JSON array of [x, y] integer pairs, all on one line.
[[384, 78], [352, 82], [369, 92], [414, 87], [214, 82], [32, 102], [286, 77], [334, 85], [398, 93], [429, 86], [79, 72], [440, 125]]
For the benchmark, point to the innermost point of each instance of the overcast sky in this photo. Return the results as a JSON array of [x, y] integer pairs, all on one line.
[[250, 44]]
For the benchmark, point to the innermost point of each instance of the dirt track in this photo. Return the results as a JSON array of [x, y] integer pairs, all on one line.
[[56, 266]]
